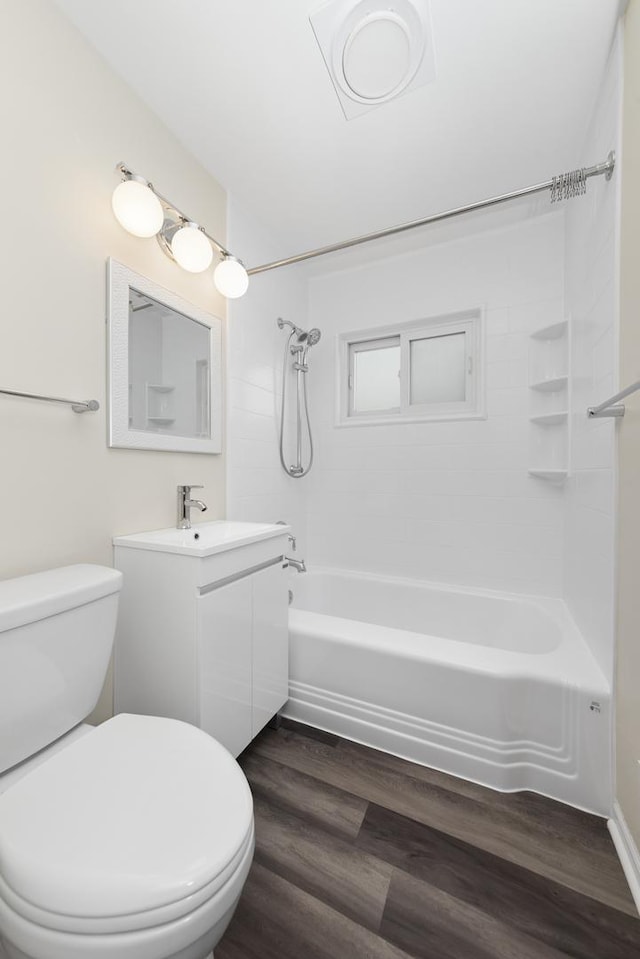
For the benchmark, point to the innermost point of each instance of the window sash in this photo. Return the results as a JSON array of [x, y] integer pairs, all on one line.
[[431, 332], [368, 346]]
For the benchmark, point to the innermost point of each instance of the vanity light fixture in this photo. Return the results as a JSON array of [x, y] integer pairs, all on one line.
[[191, 249], [144, 212], [136, 207], [231, 278]]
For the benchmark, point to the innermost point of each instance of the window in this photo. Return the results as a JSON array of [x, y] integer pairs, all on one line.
[[429, 369]]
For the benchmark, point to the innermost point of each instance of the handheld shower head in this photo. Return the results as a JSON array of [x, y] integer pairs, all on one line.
[[308, 338]]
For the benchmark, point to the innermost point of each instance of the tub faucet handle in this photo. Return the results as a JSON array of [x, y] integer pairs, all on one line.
[[290, 536]]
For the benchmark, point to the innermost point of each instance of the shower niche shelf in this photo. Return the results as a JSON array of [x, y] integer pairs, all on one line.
[[551, 385], [550, 401], [550, 419], [160, 404]]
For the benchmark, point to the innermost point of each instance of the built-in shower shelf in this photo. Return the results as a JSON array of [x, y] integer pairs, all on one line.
[[550, 401], [552, 385], [160, 400], [552, 332], [550, 419], [557, 475]]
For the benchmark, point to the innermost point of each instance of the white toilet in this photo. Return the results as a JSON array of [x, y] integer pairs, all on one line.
[[130, 840]]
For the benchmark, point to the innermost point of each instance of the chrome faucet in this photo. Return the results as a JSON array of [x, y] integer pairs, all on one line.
[[298, 564], [186, 504]]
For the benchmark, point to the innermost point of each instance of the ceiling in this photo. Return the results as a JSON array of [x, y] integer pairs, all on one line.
[[244, 87]]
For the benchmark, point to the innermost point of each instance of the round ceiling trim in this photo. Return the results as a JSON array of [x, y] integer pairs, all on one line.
[[377, 50]]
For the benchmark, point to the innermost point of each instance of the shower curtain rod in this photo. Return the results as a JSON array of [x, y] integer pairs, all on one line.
[[565, 186]]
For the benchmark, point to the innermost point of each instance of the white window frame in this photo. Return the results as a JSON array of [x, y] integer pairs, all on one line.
[[470, 322]]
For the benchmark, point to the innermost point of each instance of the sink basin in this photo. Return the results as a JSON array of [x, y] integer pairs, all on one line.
[[204, 539]]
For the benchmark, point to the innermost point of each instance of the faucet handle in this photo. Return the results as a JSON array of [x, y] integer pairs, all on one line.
[[290, 536], [187, 489]]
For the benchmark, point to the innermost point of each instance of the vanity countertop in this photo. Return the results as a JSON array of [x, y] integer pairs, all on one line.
[[203, 539]]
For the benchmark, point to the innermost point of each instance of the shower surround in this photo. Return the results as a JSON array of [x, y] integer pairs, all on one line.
[[451, 504]]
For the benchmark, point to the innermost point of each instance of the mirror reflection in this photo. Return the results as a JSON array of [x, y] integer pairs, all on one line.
[[169, 372], [165, 368]]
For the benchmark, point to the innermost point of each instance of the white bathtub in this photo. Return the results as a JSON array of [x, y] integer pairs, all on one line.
[[494, 687]]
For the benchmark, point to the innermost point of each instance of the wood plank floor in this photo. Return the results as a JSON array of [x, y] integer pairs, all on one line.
[[361, 855]]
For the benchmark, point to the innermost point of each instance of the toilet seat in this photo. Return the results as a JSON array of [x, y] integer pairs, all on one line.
[[189, 937], [140, 824]]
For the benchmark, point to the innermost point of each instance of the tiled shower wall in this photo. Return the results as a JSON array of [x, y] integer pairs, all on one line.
[[592, 225], [448, 501], [443, 501], [257, 488]]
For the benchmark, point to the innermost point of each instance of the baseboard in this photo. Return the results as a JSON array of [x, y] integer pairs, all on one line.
[[627, 850]]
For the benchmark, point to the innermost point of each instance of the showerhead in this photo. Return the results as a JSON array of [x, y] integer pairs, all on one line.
[[309, 338]]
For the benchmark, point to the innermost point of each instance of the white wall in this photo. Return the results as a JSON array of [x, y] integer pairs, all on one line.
[[592, 226], [258, 488], [628, 647], [449, 501], [67, 119]]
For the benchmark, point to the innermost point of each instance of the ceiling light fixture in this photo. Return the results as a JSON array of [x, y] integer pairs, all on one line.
[[144, 212]]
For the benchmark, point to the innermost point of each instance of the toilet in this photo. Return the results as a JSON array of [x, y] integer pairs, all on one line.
[[132, 839]]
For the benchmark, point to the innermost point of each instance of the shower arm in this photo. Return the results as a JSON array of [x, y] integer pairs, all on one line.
[[565, 186]]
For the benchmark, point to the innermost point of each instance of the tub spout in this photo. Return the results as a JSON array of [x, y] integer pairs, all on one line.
[[298, 564]]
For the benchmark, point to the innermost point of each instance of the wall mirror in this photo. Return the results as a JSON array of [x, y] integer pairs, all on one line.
[[165, 371]]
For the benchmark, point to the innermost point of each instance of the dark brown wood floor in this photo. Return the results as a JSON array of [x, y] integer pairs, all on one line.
[[360, 855]]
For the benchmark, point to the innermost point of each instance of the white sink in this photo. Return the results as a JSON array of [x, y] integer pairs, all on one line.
[[203, 539]]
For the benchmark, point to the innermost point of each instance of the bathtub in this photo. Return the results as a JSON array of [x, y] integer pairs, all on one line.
[[494, 687]]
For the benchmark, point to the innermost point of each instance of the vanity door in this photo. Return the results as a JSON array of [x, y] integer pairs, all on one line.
[[224, 653], [270, 644]]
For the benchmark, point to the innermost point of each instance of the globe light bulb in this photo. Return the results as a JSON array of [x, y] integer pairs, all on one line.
[[231, 278], [137, 208], [191, 248]]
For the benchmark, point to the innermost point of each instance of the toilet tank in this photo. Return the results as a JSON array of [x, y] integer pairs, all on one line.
[[56, 635]]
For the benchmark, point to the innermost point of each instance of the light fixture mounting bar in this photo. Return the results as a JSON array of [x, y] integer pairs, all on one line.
[[170, 207], [599, 169]]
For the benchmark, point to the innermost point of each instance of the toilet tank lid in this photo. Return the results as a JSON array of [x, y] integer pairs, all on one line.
[[27, 599]]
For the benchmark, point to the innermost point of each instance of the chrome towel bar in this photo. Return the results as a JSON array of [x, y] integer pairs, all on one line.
[[612, 407], [78, 406]]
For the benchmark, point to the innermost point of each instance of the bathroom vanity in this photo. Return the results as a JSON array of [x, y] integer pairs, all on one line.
[[203, 627]]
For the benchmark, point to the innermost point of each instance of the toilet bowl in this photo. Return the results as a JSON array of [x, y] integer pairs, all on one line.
[[133, 840]]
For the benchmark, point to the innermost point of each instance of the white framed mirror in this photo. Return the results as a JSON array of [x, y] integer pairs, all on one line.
[[165, 368]]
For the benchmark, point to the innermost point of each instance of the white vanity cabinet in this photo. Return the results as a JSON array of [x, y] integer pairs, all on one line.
[[203, 627]]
